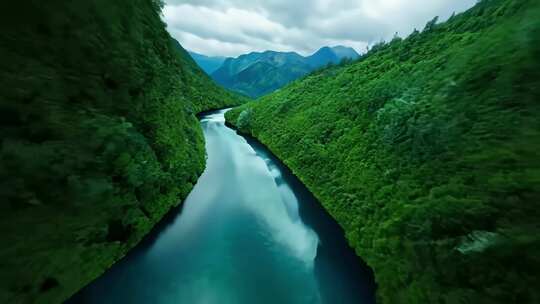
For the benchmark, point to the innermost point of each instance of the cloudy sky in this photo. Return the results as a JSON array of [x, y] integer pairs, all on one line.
[[234, 27]]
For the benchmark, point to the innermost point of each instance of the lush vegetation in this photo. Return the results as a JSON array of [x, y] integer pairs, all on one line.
[[256, 74], [98, 137], [426, 151]]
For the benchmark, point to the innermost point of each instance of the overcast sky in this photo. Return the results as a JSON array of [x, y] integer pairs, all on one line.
[[234, 27]]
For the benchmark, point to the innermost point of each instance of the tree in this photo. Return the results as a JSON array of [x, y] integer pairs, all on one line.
[[431, 24]]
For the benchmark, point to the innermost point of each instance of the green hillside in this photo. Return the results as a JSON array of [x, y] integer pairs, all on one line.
[[426, 151], [99, 137], [250, 82]]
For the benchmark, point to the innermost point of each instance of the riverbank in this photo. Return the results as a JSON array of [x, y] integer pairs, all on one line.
[[231, 244], [426, 155], [99, 138]]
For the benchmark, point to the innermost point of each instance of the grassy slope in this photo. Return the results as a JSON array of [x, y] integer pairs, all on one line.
[[426, 152], [99, 138]]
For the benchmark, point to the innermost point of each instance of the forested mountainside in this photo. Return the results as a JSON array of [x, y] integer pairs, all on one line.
[[259, 73], [99, 137], [426, 151]]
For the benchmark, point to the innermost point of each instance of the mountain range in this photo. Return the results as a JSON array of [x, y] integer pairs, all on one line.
[[207, 63], [260, 73]]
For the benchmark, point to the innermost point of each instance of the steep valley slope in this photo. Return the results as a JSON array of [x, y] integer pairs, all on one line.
[[99, 137], [425, 150]]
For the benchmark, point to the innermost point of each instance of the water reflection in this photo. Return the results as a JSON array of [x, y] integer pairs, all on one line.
[[249, 232]]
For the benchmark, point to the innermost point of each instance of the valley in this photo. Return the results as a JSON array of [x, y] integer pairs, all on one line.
[[260, 73], [134, 170]]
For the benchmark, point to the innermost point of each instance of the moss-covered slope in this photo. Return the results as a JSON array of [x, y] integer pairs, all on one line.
[[98, 137], [426, 152]]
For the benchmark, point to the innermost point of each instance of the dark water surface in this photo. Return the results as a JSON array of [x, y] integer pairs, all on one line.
[[249, 232]]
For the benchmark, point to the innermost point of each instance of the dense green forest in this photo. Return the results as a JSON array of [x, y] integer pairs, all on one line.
[[99, 137], [426, 151]]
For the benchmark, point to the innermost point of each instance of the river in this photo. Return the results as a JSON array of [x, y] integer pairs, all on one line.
[[248, 233]]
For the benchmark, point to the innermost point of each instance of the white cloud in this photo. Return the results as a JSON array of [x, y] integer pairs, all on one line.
[[234, 27]]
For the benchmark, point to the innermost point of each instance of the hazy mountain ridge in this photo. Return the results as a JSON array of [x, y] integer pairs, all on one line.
[[209, 64], [280, 68]]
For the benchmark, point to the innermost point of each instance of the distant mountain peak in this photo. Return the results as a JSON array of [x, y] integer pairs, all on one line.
[[345, 52], [322, 57], [324, 49], [257, 73], [209, 64]]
